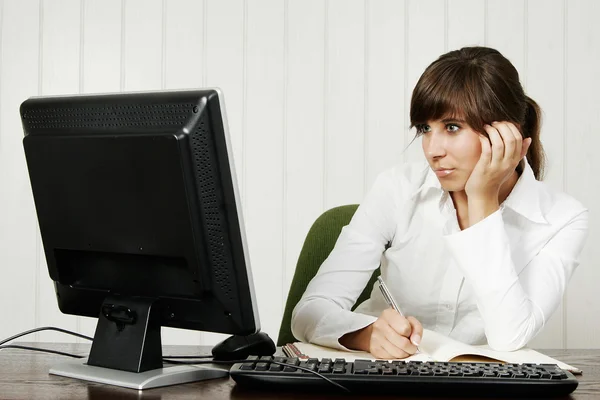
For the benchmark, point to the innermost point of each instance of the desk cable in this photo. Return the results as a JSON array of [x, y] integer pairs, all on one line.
[[167, 359]]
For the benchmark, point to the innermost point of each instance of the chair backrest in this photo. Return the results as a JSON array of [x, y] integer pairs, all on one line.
[[319, 242]]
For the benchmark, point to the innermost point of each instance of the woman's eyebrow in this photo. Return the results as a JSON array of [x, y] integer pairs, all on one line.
[[446, 120]]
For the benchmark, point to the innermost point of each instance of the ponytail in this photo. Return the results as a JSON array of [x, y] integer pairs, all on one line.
[[531, 128]]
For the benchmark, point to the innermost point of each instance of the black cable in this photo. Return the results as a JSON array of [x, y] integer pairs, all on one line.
[[165, 358], [60, 353], [52, 328], [265, 361], [45, 328], [187, 357]]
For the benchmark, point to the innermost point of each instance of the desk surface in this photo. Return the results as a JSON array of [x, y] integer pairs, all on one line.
[[24, 375]]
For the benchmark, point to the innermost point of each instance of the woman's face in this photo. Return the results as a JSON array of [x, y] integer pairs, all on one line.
[[452, 149]]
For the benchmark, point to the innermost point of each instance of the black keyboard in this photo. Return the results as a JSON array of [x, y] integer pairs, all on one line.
[[399, 377]]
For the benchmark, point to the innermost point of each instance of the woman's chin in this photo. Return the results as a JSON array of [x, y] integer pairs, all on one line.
[[453, 186]]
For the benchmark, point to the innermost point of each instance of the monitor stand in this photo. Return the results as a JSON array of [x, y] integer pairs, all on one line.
[[171, 375], [127, 350]]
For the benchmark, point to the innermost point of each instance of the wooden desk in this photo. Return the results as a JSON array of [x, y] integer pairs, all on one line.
[[24, 375]]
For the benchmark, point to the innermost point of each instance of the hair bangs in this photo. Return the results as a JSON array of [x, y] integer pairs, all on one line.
[[453, 92]]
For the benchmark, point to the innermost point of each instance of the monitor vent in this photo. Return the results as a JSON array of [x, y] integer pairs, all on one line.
[[116, 116], [202, 148]]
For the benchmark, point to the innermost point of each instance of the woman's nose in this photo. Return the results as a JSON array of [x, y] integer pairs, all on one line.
[[435, 146]]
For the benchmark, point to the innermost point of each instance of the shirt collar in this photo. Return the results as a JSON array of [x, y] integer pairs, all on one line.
[[525, 196], [429, 181], [523, 199]]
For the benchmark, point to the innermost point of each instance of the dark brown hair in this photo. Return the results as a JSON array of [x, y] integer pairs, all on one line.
[[479, 85]]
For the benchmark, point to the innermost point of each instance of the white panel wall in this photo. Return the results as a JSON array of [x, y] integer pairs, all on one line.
[[344, 101], [304, 125], [264, 152], [544, 41], [426, 41], [19, 79], [317, 94], [581, 86]]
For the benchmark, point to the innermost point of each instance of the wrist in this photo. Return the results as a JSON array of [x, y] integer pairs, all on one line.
[[480, 207], [358, 340]]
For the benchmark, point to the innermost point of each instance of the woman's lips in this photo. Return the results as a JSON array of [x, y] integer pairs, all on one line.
[[443, 172]]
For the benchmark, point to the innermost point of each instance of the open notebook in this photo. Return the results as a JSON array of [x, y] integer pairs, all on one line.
[[435, 347]]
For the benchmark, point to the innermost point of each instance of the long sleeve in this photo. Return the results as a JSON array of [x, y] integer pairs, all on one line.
[[515, 307], [323, 313]]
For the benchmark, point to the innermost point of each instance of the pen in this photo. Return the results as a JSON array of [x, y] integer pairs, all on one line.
[[388, 296], [389, 299]]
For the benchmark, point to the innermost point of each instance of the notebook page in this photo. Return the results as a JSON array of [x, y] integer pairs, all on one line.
[[443, 348], [437, 347], [316, 351]]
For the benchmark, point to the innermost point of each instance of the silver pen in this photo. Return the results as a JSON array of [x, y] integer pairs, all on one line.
[[388, 296], [390, 300]]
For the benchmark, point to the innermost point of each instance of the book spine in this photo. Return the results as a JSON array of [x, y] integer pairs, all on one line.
[[291, 350]]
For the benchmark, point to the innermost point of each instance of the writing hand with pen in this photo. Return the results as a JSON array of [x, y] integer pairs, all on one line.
[[391, 336]]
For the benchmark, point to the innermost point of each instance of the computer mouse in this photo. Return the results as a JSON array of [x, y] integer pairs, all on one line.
[[238, 347]]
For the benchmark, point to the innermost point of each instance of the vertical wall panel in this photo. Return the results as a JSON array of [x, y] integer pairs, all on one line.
[[384, 87], [224, 24], [183, 67], [225, 67], [545, 44], [426, 42], [345, 102], [100, 67], [263, 159], [101, 46], [581, 143], [184, 44], [506, 31], [143, 38], [465, 23], [304, 118], [60, 55], [18, 224]]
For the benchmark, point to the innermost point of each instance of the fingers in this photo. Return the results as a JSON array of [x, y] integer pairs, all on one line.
[[381, 353], [392, 333], [398, 347], [486, 151], [397, 322], [417, 331], [508, 132], [497, 144], [508, 146], [387, 343]]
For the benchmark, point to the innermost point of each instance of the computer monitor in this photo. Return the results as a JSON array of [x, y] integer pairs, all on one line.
[[141, 222]]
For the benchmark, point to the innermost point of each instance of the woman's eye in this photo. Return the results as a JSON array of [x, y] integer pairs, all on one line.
[[423, 128], [452, 127]]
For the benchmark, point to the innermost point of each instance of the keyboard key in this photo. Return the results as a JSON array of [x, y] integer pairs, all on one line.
[[275, 367], [324, 368], [262, 366]]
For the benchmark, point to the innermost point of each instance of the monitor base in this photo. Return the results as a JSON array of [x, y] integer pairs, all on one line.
[[165, 376]]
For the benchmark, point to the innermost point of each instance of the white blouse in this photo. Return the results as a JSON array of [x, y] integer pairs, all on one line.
[[497, 281]]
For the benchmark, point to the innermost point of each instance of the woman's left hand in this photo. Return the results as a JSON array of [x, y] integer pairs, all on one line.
[[500, 155]]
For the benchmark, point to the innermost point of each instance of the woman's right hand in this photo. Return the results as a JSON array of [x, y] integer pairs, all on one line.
[[394, 336], [391, 336]]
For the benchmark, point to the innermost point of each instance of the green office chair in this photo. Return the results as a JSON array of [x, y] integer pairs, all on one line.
[[318, 244]]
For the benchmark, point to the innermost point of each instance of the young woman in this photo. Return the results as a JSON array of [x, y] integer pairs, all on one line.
[[472, 245]]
